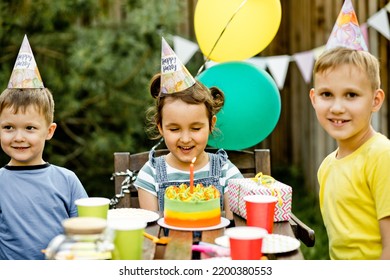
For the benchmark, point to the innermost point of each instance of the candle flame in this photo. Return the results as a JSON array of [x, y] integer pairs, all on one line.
[[193, 160]]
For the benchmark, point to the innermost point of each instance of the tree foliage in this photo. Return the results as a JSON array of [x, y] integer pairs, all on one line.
[[97, 58]]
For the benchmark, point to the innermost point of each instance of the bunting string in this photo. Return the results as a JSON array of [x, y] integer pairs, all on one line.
[[278, 65]]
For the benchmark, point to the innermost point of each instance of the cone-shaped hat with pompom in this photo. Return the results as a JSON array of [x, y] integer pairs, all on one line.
[[25, 73], [174, 75], [346, 32]]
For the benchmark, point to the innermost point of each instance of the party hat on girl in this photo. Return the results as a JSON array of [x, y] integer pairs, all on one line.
[[174, 75], [346, 32], [25, 73]]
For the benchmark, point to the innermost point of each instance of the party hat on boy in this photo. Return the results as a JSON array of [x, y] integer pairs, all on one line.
[[346, 32], [25, 73], [174, 75]]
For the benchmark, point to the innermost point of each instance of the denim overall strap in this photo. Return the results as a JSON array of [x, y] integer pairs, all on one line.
[[162, 180], [161, 175], [217, 161]]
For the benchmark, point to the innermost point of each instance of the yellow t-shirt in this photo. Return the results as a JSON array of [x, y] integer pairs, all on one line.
[[354, 195]]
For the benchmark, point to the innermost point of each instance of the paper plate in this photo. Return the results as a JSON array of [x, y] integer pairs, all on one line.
[[224, 222], [272, 243], [133, 213]]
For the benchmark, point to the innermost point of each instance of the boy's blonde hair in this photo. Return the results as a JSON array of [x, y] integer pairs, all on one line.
[[20, 99], [342, 55]]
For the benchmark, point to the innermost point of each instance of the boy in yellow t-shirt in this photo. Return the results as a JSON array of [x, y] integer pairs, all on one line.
[[354, 179]]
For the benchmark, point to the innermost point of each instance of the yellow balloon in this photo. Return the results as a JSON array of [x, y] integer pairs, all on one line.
[[235, 29]]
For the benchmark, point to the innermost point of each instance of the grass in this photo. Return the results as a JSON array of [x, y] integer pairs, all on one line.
[[306, 207]]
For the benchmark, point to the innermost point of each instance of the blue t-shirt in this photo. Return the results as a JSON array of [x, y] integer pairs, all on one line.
[[34, 201]]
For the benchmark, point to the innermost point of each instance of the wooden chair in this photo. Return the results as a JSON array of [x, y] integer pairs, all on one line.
[[248, 162]]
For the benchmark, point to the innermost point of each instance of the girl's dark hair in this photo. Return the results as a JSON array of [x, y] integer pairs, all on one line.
[[213, 98]]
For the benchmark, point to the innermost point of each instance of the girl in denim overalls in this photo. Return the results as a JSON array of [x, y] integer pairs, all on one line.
[[184, 120], [184, 116]]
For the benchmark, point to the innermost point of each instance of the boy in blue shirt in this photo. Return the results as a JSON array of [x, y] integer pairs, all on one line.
[[36, 196]]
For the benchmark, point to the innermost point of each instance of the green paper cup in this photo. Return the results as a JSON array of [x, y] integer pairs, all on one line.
[[93, 207], [128, 238]]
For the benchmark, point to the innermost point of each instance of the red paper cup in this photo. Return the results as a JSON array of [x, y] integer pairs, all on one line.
[[246, 242], [260, 211]]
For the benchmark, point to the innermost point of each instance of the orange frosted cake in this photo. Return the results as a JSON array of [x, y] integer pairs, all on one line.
[[201, 208]]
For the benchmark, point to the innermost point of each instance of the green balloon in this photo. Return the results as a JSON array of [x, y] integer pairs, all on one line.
[[252, 104]]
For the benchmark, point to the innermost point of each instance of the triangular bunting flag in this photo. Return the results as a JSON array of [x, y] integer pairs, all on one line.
[[380, 22], [278, 66], [184, 48], [259, 62], [387, 7], [305, 62], [318, 51]]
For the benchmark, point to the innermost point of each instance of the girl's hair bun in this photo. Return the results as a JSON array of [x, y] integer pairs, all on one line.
[[218, 97], [155, 86]]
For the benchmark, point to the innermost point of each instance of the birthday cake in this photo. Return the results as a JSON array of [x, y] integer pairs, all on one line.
[[196, 209]]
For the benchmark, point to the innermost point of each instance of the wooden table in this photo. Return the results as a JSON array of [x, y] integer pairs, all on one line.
[[180, 245]]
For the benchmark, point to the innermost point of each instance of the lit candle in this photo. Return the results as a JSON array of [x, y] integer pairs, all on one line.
[[192, 175]]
